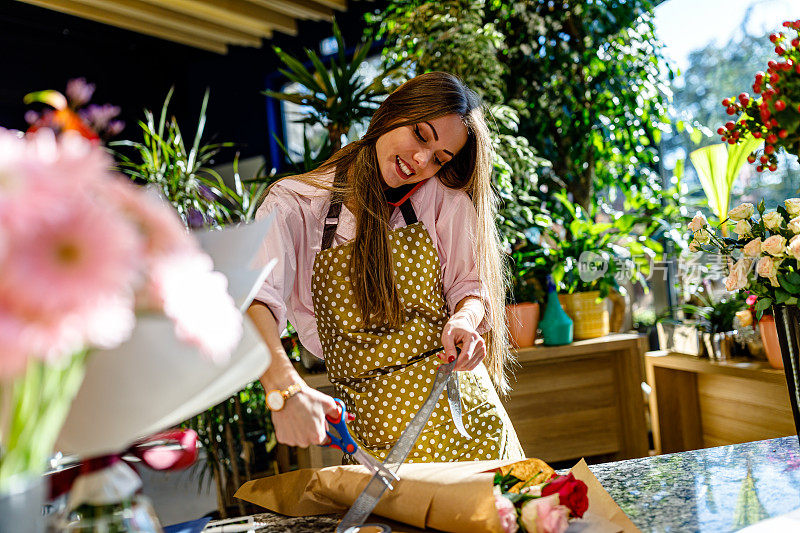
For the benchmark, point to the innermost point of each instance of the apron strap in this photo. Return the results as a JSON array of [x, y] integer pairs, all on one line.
[[409, 215], [332, 218], [335, 209]]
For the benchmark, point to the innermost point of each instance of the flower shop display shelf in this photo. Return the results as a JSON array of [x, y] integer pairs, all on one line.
[[698, 403], [713, 490], [582, 399]]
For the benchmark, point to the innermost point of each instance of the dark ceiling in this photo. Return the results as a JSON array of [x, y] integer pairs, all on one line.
[[42, 49]]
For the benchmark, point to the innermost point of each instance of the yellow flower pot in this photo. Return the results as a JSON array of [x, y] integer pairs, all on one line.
[[590, 317]]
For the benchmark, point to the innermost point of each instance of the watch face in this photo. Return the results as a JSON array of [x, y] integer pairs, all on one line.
[[275, 400]]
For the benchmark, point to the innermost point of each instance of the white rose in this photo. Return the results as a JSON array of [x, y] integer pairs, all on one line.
[[702, 236], [794, 225], [752, 248], [698, 222], [773, 220], [793, 206], [743, 228], [768, 268], [793, 248], [741, 212], [774, 245], [737, 280]]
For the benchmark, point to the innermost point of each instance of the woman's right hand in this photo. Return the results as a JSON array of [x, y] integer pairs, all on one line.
[[302, 422]]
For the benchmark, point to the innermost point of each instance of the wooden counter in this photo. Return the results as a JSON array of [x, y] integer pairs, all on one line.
[[698, 403], [581, 400]]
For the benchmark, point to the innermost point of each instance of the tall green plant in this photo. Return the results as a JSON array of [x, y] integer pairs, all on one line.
[[182, 173], [337, 96], [449, 35], [230, 431], [590, 77], [718, 166]]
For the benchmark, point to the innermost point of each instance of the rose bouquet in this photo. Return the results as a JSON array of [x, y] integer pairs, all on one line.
[[763, 257], [530, 497], [477, 496], [82, 252], [775, 116]]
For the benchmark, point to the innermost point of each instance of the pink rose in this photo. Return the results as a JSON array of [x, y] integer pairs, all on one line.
[[545, 515], [752, 248], [698, 222], [773, 220], [737, 279], [507, 512], [741, 212], [774, 245], [794, 247], [768, 268]]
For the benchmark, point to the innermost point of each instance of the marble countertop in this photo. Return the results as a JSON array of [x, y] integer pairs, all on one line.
[[711, 490]]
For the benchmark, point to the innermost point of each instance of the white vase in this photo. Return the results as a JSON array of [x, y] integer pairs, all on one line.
[[21, 505]]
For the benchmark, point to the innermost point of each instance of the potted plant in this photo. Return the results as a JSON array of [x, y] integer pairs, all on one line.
[[592, 253], [715, 321], [644, 322], [523, 308]]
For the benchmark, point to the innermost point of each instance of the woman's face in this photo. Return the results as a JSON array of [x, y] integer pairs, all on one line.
[[410, 154]]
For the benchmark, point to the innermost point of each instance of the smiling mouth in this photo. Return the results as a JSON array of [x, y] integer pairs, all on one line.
[[404, 171]]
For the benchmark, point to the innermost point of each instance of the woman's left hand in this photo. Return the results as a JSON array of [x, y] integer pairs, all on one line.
[[460, 332]]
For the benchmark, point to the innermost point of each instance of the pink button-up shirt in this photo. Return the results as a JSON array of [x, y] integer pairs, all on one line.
[[295, 237]]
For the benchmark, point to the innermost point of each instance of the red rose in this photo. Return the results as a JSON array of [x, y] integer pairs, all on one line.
[[571, 493]]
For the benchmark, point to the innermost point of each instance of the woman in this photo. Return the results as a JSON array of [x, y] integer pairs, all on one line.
[[387, 261]]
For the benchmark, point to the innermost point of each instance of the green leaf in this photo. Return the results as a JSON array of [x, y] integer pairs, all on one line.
[[790, 287], [781, 296], [763, 304]]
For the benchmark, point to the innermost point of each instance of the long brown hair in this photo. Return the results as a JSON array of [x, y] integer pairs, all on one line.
[[423, 98]]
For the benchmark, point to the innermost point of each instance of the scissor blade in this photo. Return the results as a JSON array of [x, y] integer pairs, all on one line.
[[376, 468]]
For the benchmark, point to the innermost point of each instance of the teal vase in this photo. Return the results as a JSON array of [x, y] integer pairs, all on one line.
[[556, 326]]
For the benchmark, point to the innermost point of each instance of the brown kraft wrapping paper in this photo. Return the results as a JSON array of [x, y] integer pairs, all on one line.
[[455, 497]]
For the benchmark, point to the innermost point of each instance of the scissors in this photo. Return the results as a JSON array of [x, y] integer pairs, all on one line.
[[346, 443]]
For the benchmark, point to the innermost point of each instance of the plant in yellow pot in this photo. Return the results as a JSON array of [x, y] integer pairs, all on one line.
[[592, 254]]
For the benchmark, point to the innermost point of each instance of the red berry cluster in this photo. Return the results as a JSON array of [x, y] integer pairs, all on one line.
[[776, 115]]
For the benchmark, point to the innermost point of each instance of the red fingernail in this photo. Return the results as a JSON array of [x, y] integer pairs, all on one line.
[[451, 358], [350, 417]]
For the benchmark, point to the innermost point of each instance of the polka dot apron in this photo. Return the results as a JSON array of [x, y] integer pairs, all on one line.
[[385, 374]]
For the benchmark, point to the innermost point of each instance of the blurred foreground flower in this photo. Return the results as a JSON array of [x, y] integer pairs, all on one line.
[[81, 251]]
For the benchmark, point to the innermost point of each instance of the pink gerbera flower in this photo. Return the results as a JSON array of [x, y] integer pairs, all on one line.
[[161, 227], [63, 267], [14, 353]]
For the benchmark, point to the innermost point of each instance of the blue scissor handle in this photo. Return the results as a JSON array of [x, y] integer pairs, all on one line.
[[344, 441]]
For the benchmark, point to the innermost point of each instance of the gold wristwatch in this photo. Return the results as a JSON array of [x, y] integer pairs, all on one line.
[[276, 399]]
